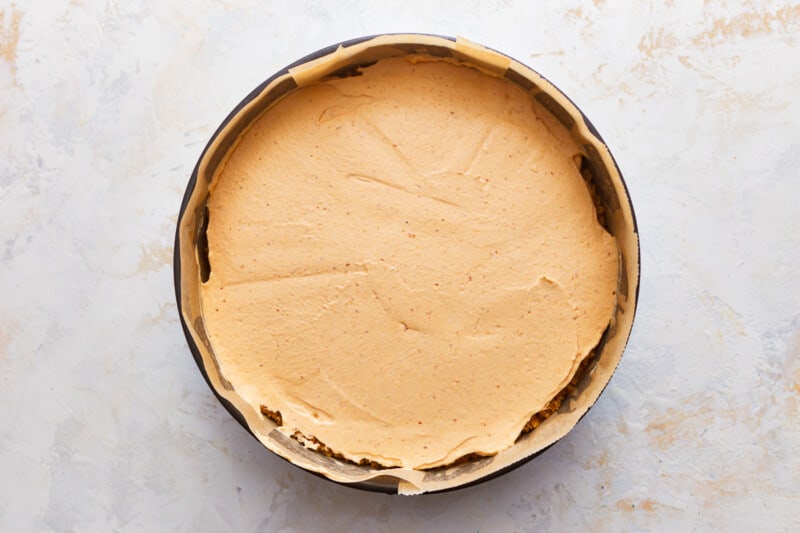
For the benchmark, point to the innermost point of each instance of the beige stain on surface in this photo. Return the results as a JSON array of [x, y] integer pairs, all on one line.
[[629, 506], [794, 355], [657, 41], [575, 13], [5, 341], [793, 359], [154, 257], [9, 38], [693, 65], [555, 53], [785, 391], [656, 50], [167, 314], [599, 460], [749, 24], [728, 484], [686, 424], [728, 98], [666, 430], [733, 318]]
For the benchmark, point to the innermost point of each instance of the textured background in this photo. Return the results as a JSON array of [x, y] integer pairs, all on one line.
[[108, 426]]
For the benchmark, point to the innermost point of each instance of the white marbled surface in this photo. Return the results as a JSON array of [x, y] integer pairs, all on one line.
[[108, 426]]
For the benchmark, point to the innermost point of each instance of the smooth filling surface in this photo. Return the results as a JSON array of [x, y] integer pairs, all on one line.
[[407, 264]]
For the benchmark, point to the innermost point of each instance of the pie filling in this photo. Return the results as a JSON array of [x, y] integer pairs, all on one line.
[[405, 265]]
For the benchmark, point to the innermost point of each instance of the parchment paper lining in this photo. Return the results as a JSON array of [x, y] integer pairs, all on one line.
[[610, 189]]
